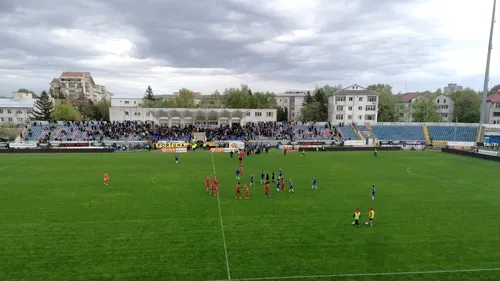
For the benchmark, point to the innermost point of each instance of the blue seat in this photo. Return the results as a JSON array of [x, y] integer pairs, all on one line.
[[453, 133], [399, 132]]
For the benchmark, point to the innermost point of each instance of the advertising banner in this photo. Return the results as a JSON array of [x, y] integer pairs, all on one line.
[[72, 144], [22, 145], [405, 145], [237, 144], [171, 144], [217, 150], [354, 143], [488, 152], [78, 147], [229, 149], [181, 149], [168, 150], [439, 143], [311, 142], [462, 148], [458, 143]]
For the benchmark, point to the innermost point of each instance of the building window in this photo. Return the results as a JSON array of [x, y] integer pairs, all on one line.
[[20, 120], [443, 114], [1, 111], [350, 98], [9, 111], [339, 117], [135, 102], [293, 108], [339, 98], [372, 98], [247, 114], [360, 108], [360, 117], [269, 114], [126, 102], [19, 111], [496, 114], [370, 108], [349, 108], [443, 106], [126, 113], [137, 114], [444, 101], [29, 111], [258, 114], [370, 117], [1, 119], [148, 114], [349, 117], [340, 108], [360, 99], [438, 101], [9, 120]]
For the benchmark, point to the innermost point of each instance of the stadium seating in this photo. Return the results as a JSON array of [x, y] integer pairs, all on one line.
[[453, 133], [313, 132], [398, 132], [348, 133]]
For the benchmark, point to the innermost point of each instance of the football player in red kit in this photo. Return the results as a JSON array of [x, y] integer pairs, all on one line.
[[267, 194], [238, 191], [207, 183], [246, 192]]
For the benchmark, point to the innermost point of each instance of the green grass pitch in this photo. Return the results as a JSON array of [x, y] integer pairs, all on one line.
[[436, 218]]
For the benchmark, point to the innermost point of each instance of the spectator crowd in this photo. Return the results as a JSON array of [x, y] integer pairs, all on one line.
[[148, 131]]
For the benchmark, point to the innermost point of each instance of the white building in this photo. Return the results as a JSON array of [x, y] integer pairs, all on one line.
[[192, 116], [493, 109], [406, 108], [75, 84], [126, 102], [292, 100], [452, 88], [17, 110], [353, 104]]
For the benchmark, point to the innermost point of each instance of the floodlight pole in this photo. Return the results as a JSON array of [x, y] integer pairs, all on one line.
[[487, 70]]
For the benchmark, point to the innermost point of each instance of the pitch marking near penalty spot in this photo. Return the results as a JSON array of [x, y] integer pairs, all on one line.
[[365, 274], [222, 226], [12, 166]]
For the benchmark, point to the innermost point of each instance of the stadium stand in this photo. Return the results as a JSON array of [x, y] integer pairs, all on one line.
[[398, 132], [453, 133], [347, 133]]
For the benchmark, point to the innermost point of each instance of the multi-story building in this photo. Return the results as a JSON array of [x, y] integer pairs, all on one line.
[[408, 101], [353, 104], [73, 85], [17, 110], [292, 100], [493, 109], [452, 88]]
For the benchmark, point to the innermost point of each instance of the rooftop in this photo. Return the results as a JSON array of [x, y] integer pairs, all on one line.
[[12, 103], [354, 90], [72, 74], [494, 98]]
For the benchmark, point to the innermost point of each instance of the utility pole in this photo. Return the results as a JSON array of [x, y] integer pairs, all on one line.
[[487, 70]]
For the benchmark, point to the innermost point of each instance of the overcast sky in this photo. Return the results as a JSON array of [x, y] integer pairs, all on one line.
[[272, 45]]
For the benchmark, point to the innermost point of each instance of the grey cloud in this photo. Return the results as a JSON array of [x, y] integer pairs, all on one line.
[[349, 37]]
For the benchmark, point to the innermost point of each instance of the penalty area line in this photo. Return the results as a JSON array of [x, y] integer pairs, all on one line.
[[366, 274], [222, 225], [12, 166]]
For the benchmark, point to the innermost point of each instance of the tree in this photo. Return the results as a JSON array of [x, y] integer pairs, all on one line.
[[312, 112], [262, 100], [282, 113], [330, 90], [185, 99], [26, 91], [387, 102], [85, 107], [44, 108], [148, 95], [320, 97], [307, 99], [425, 110], [439, 91], [236, 97], [494, 90], [66, 111], [102, 110], [467, 106]]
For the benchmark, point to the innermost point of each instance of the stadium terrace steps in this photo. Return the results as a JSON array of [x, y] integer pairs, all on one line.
[[368, 126], [358, 134], [398, 132], [426, 134], [453, 133]]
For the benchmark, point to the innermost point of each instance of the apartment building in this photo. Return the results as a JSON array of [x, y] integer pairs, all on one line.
[[406, 107], [452, 88], [292, 100], [353, 104], [16, 110], [75, 84]]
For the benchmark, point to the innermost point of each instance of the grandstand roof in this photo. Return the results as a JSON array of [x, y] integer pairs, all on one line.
[[354, 89], [72, 74], [494, 98], [12, 103]]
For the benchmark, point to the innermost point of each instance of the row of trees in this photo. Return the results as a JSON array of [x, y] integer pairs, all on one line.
[[69, 110], [314, 108]]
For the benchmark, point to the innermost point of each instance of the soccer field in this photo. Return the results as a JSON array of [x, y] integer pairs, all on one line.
[[436, 218]]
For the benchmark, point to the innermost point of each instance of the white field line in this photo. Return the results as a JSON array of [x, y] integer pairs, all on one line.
[[222, 226], [11, 166], [366, 274]]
